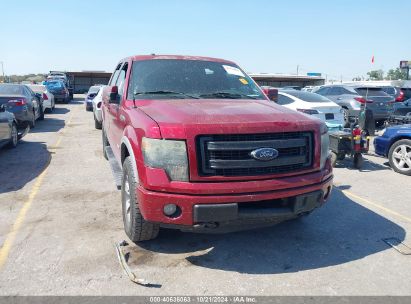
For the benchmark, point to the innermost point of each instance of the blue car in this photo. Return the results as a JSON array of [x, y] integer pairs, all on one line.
[[395, 143]]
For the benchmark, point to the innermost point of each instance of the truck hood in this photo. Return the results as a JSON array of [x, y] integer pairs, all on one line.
[[184, 117]]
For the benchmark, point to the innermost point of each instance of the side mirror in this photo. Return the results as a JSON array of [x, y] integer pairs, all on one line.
[[113, 94], [272, 94], [2, 108]]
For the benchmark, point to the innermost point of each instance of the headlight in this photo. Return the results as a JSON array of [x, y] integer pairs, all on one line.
[[170, 155], [383, 132], [325, 145]]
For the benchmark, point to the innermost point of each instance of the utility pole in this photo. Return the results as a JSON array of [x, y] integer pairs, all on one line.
[[297, 68], [341, 78], [2, 71]]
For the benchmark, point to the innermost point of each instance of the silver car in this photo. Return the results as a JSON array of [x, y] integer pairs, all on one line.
[[352, 97]]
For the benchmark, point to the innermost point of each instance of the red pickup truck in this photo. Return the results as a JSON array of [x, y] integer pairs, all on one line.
[[194, 144]]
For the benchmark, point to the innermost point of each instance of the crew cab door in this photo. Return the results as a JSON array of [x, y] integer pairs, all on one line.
[[4, 124], [118, 113], [109, 109]]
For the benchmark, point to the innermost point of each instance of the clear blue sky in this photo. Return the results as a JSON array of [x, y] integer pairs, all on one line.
[[333, 37]]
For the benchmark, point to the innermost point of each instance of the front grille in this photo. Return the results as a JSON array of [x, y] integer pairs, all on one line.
[[230, 155]]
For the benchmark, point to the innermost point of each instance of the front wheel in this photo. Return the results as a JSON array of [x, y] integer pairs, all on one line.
[[135, 226], [399, 156]]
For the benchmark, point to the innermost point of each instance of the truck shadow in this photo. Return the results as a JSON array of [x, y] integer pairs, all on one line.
[[59, 110], [21, 165], [340, 232], [368, 165], [49, 124]]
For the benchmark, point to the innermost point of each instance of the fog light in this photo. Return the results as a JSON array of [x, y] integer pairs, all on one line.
[[170, 209]]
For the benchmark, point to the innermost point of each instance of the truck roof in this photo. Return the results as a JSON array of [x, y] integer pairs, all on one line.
[[180, 57]]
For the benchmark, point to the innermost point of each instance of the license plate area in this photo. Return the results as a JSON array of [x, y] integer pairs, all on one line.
[[329, 116]]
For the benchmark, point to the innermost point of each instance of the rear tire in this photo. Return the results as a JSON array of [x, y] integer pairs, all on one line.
[[105, 143], [333, 159], [398, 159], [14, 137], [41, 117], [97, 124], [32, 123], [135, 226]]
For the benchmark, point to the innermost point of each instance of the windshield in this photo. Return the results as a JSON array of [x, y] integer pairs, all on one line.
[[11, 89], [372, 92], [307, 96], [174, 78], [93, 89], [389, 90]]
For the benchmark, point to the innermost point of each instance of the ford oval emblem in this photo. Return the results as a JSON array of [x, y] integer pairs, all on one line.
[[264, 154]]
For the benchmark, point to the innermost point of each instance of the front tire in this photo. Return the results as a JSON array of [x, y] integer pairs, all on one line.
[[399, 156], [135, 226]]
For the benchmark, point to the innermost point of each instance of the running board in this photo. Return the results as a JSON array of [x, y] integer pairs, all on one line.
[[115, 168]]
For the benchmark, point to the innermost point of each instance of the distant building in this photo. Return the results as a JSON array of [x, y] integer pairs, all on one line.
[[82, 81], [284, 80]]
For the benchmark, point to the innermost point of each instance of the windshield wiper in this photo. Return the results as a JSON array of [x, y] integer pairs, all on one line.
[[228, 95], [160, 92]]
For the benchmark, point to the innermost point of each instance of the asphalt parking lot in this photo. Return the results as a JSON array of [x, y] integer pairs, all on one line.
[[60, 215]]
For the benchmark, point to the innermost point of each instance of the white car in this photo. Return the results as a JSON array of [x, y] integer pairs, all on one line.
[[48, 98], [314, 105], [97, 101]]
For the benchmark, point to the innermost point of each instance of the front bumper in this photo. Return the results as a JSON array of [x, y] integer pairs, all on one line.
[[60, 96], [47, 104], [89, 105], [381, 145], [233, 211], [97, 114]]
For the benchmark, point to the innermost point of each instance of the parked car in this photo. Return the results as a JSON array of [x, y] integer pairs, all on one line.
[[313, 104], [394, 92], [88, 100], [297, 88], [351, 98], [59, 75], [59, 90], [22, 102], [194, 144], [48, 98], [307, 88], [402, 108], [395, 143], [8, 128], [97, 102]]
